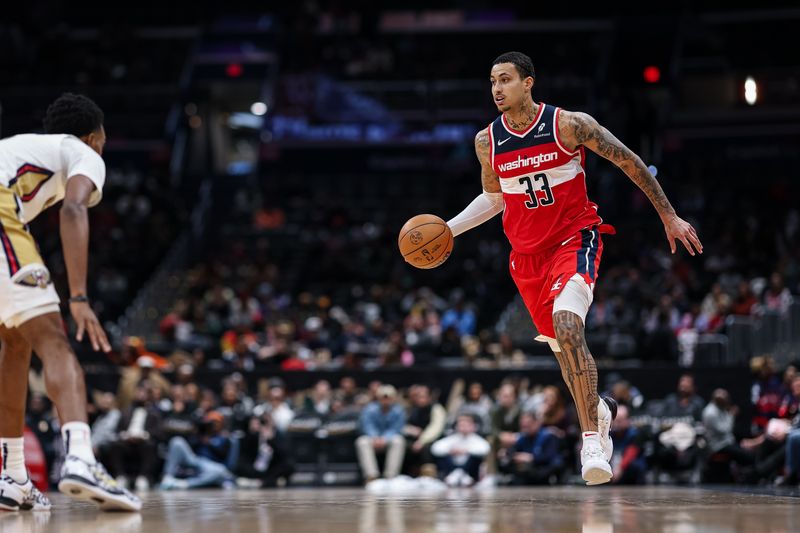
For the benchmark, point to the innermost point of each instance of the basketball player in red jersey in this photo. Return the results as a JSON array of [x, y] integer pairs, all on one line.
[[532, 166]]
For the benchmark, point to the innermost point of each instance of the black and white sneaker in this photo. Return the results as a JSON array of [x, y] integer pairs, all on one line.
[[16, 496], [606, 414], [91, 482]]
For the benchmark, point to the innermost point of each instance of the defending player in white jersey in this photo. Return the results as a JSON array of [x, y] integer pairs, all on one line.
[[36, 172]]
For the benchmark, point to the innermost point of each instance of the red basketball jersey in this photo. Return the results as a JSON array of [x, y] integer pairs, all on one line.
[[543, 184]]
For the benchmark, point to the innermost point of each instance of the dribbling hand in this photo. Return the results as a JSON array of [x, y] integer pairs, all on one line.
[[87, 323], [678, 229]]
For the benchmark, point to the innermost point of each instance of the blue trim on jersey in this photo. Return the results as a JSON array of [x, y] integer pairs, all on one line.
[[587, 254], [593, 251], [582, 252]]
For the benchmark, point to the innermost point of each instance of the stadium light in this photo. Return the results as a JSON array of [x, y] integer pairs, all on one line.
[[651, 74], [750, 90], [258, 108], [234, 70]]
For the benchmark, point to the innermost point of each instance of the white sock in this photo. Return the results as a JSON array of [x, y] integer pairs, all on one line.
[[78, 441], [13, 451]]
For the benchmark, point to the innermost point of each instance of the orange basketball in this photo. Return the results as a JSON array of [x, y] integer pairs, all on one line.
[[425, 241]]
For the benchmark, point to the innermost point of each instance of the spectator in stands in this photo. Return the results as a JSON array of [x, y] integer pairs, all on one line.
[[180, 419], [504, 424], [684, 402], [104, 427], [318, 401], [766, 392], [234, 406], [264, 453], [505, 353], [718, 419], [460, 455], [348, 390], [202, 464], [745, 301], [770, 449], [792, 473], [143, 368], [505, 416], [425, 423], [624, 393], [628, 463], [133, 454], [535, 458], [713, 309], [382, 424], [477, 404], [787, 389], [660, 326], [459, 316], [777, 297], [553, 411], [278, 408]]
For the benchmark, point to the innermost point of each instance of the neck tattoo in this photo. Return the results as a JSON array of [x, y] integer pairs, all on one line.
[[523, 118]]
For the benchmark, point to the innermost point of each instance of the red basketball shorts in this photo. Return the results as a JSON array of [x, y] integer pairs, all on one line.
[[541, 277]]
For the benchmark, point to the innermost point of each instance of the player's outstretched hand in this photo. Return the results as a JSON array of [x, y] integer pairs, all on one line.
[[678, 229], [87, 323]]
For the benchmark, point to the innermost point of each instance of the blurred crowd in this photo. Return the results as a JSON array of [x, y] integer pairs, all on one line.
[[165, 430], [266, 306]]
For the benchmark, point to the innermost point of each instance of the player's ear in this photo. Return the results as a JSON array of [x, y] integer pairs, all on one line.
[[529, 83], [94, 140]]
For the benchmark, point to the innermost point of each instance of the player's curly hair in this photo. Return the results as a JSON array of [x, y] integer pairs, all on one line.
[[74, 114], [518, 59]]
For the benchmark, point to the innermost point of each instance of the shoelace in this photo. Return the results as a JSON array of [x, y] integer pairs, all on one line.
[[38, 497], [103, 476]]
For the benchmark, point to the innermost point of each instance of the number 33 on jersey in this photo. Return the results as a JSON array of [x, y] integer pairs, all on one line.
[[543, 184]]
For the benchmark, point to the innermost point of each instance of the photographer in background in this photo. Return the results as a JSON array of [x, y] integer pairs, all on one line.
[[264, 454]]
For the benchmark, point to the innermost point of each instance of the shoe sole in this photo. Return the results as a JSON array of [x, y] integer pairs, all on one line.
[[596, 473], [81, 490]]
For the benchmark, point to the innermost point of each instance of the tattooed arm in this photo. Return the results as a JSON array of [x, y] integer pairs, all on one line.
[[577, 129], [490, 181], [488, 204]]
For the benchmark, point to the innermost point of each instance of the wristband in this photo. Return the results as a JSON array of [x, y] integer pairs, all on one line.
[[79, 299]]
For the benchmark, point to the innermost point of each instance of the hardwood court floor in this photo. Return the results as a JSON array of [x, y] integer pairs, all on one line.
[[557, 509]]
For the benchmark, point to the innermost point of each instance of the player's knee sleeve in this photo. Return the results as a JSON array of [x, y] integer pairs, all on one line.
[[575, 297]]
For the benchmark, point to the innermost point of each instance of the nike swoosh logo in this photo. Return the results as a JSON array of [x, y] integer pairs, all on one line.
[[504, 140]]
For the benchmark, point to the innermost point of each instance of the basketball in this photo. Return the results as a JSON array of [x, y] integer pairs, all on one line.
[[425, 241]]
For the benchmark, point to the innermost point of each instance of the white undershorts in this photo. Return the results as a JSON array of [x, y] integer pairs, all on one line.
[[575, 297]]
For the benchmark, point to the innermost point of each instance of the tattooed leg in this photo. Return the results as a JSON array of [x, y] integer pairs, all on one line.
[[577, 367]]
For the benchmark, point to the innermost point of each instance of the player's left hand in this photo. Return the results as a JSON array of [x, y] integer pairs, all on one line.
[[678, 229], [87, 323]]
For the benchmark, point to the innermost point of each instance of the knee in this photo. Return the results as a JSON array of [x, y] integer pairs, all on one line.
[[364, 441], [398, 441], [178, 442], [568, 327]]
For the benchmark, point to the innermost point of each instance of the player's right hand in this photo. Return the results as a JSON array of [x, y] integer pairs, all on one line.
[[678, 229], [87, 323]]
